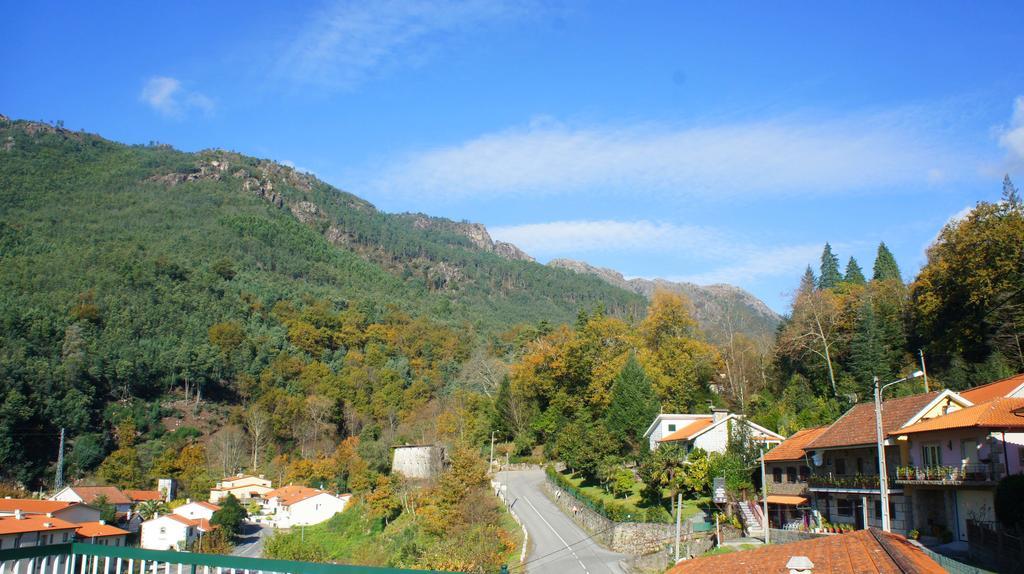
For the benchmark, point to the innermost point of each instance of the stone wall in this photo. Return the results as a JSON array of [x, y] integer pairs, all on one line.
[[627, 537], [780, 536], [418, 462]]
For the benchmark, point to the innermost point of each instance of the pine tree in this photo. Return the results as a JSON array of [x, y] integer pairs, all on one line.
[[885, 265], [867, 355], [1011, 196], [808, 281], [830, 276], [632, 407], [502, 410], [854, 274]]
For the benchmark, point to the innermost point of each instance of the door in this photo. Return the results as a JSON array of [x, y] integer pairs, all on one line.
[[973, 505], [969, 450]]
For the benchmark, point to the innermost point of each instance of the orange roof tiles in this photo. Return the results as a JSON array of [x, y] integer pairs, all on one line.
[[861, 552], [793, 447], [204, 504], [89, 494], [993, 390], [33, 523], [33, 506], [996, 414], [786, 499], [857, 425], [141, 495], [292, 493], [688, 430], [201, 523], [98, 530]]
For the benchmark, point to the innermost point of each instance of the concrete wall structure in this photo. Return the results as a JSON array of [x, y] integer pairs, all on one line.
[[418, 461]]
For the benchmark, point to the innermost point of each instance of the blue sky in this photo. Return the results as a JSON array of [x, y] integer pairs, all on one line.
[[702, 141]]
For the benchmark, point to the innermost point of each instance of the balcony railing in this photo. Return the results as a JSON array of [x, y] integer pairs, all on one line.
[[80, 558], [974, 472], [845, 481]]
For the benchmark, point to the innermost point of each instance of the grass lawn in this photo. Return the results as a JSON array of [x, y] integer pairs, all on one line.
[[593, 490], [728, 549]]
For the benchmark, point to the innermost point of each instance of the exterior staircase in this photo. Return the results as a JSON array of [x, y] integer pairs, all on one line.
[[753, 519]]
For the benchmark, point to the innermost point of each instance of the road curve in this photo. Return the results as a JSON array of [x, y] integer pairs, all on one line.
[[557, 544]]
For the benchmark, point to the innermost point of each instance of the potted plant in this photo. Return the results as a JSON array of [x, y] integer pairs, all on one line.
[[913, 534]]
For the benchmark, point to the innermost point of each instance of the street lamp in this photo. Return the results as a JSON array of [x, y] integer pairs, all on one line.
[[883, 478]]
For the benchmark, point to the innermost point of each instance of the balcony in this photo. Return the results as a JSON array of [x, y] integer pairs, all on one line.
[[80, 558], [853, 483], [975, 473]]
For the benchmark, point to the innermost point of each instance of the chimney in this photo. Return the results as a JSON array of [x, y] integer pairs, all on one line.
[[800, 565], [49, 515], [718, 414], [47, 525], [17, 514], [102, 522]]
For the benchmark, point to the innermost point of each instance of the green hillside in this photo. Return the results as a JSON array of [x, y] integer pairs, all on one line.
[[116, 261]]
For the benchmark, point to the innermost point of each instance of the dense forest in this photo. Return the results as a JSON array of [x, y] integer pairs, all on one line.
[[192, 315]]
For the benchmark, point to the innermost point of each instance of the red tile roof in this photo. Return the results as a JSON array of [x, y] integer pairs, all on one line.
[[201, 523], [88, 494], [861, 552], [33, 523], [204, 504], [688, 430], [291, 494], [793, 447], [32, 505], [999, 413], [857, 425], [98, 530], [993, 390], [141, 495]]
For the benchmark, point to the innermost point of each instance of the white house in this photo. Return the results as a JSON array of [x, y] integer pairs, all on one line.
[[299, 505], [245, 487], [89, 494], [197, 510], [172, 532], [21, 530], [709, 432]]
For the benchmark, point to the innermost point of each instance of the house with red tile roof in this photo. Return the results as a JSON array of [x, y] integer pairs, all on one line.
[[70, 511], [172, 532], [21, 530], [137, 496], [954, 462], [197, 509], [1008, 387], [787, 471], [709, 432], [89, 494], [844, 480], [862, 552], [245, 487], [295, 505], [99, 532]]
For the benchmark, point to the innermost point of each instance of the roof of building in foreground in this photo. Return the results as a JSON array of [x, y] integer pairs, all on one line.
[[857, 425], [862, 552], [1002, 414]]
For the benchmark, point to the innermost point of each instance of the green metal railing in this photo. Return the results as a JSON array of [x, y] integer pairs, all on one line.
[[78, 558]]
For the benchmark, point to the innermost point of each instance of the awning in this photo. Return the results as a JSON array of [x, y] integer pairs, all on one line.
[[788, 500]]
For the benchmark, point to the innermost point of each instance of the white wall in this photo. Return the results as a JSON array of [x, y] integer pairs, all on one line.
[[193, 510], [164, 533], [312, 510]]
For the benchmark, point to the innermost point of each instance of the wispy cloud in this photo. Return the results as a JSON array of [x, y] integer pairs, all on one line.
[[167, 96], [1012, 138], [794, 154], [702, 246], [346, 42]]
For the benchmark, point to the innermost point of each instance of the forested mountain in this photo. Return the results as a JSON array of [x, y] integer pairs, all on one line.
[[131, 272], [721, 310]]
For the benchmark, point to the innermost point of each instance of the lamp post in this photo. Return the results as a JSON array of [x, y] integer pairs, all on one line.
[[883, 478]]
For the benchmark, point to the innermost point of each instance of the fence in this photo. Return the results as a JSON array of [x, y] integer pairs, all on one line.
[[992, 545], [78, 558]]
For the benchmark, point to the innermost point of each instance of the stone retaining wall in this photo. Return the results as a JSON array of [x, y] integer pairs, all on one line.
[[627, 537], [780, 536]]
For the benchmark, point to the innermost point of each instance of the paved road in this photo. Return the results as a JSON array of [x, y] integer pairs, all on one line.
[[250, 540], [557, 545]]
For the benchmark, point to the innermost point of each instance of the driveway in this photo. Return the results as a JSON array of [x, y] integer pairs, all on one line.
[[250, 540], [557, 544]]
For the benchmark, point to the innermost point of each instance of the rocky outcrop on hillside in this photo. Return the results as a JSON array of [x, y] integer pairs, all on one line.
[[718, 308], [475, 232]]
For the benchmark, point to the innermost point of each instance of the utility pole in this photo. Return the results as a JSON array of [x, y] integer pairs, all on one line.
[[58, 483], [924, 371], [883, 482], [764, 501], [679, 520], [492, 451]]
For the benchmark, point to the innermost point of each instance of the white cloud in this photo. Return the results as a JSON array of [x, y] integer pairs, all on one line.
[[348, 41], [1012, 139], [581, 236], [700, 245], [781, 156], [167, 96]]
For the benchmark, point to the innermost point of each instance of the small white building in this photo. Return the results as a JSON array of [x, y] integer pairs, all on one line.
[[245, 487], [302, 506], [708, 432], [172, 532], [197, 510]]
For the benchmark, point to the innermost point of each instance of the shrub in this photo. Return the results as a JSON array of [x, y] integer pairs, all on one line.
[[1009, 501]]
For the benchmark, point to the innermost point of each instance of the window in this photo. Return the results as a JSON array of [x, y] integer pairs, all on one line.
[[844, 507], [777, 475], [805, 473], [791, 474], [931, 455], [840, 466], [163, 530], [672, 428]]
